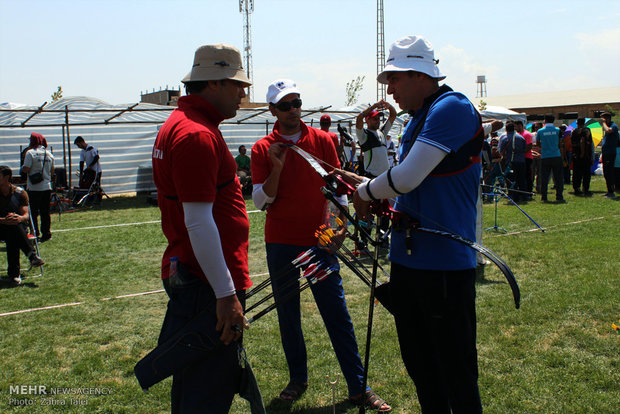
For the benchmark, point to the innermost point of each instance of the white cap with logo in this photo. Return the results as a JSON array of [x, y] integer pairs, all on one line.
[[279, 89]]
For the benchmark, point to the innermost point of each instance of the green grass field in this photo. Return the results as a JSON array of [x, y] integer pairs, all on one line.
[[557, 354]]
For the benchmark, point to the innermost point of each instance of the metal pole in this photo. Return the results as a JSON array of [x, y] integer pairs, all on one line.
[[371, 308], [69, 172], [64, 152]]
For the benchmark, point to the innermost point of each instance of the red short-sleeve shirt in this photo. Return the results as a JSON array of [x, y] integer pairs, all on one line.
[[299, 207], [192, 163]]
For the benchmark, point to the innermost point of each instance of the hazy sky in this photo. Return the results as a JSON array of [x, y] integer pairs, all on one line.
[[112, 49]]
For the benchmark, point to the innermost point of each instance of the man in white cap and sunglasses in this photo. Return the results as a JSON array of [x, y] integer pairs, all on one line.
[[289, 189], [203, 215], [436, 184]]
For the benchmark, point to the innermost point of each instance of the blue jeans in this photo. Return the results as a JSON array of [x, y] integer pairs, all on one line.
[[329, 298]]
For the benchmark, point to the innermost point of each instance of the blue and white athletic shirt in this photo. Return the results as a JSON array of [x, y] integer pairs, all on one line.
[[446, 203]]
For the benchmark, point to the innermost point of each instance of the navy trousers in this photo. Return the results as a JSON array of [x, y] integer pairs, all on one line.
[[553, 164], [436, 323], [330, 300], [210, 385]]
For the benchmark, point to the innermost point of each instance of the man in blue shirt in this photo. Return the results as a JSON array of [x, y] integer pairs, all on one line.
[[437, 183], [512, 146], [551, 158], [608, 150]]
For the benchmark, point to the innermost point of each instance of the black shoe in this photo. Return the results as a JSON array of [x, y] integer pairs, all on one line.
[[36, 261], [46, 238], [560, 200], [577, 192], [543, 199], [588, 193]]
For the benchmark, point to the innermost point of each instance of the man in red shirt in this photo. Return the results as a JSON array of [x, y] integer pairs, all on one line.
[[204, 219], [325, 122], [288, 187]]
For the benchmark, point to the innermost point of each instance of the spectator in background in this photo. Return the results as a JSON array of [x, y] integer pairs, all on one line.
[[536, 162], [13, 222], [349, 149], [551, 154], [39, 167], [89, 157], [391, 151], [581, 144], [529, 157], [608, 150], [325, 122], [243, 169], [568, 152], [372, 139], [512, 147]]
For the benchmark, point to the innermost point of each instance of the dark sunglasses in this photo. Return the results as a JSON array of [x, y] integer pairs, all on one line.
[[286, 106]]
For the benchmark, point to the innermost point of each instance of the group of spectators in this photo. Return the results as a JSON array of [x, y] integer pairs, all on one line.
[[20, 210], [526, 159]]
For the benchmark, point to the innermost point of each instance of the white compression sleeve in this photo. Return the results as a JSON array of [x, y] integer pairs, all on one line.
[[259, 196], [205, 239], [420, 161]]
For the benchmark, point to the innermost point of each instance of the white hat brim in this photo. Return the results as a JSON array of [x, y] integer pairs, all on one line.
[[285, 92], [430, 69]]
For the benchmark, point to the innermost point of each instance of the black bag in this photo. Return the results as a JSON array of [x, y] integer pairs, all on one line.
[[87, 178], [36, 178]]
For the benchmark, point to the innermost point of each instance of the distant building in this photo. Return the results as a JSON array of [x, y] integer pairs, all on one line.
[[170, 97], [587, 103], [245, 103], [166, 96]]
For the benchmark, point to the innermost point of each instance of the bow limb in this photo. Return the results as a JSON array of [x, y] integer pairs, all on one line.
[[503, 267], [332, 187]]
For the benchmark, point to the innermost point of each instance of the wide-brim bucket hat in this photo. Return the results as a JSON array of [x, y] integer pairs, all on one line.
[[216, 62], [411, 53]]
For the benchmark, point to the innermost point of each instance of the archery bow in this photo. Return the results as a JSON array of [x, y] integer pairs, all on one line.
[[337, 186]]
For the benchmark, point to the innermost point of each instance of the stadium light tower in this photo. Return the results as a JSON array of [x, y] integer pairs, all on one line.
[[380, 49], [247, 7]]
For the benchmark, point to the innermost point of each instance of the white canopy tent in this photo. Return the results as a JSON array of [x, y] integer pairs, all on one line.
[[124, 134], [503, 114]]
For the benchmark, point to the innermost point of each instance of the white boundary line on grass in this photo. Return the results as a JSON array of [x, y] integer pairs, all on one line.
[[124, 224], [258, 274], [102, 299], [43, 308], [550, 227]]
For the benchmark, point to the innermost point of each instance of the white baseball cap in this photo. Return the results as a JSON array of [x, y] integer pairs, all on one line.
[[279, 89], [411, 53]]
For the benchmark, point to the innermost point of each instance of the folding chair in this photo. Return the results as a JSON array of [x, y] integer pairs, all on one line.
[[35, 246]]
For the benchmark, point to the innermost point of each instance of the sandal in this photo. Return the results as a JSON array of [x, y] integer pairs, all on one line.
[[371, 401], [293, 391]]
